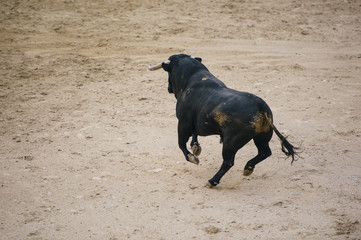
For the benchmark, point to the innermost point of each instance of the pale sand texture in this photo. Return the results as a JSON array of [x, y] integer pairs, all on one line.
[[88, 135]]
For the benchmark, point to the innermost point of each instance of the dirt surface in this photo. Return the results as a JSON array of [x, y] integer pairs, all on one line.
[[88, 135]]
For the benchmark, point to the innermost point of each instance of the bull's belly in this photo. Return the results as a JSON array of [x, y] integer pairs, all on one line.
[[207, 128], [223, 127]]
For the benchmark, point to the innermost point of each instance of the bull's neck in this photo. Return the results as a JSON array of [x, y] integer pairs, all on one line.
[[188, 78]]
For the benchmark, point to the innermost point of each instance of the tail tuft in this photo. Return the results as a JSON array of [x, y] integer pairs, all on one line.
[[287, 147]]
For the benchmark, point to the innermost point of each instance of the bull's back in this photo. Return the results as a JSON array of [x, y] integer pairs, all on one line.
[[226, 108]]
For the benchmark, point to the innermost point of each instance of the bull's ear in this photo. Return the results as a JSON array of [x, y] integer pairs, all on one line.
[[166, 66], [198, 58]]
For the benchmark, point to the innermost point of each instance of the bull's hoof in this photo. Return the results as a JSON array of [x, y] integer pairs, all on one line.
[[196, 149], [248, 170], [193, 159], [211, 184]]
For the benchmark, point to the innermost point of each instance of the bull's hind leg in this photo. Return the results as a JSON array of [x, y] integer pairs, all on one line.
[[228, 162], [229, 150], [196, 147], [264, 151]]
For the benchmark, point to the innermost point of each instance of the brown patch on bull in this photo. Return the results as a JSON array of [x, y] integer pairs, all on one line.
[[220, 118], [261, 122]]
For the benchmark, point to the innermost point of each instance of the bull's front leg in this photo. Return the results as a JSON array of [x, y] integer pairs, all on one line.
[[196, 147], [184, 132]]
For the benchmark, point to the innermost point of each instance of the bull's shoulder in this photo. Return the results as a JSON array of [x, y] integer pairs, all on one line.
[[229, 92], [204, 79]]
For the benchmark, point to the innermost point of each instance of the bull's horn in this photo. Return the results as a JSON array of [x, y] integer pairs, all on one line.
[[158, 66]]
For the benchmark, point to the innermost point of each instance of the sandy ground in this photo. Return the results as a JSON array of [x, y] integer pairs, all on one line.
[[88, 135]]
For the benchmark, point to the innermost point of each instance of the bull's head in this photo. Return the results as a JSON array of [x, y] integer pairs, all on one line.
[[180, 69]]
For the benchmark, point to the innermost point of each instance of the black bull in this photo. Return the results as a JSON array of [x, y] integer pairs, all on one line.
[[205, 106]]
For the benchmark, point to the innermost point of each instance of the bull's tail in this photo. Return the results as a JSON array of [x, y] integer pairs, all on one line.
[[287, 147]]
